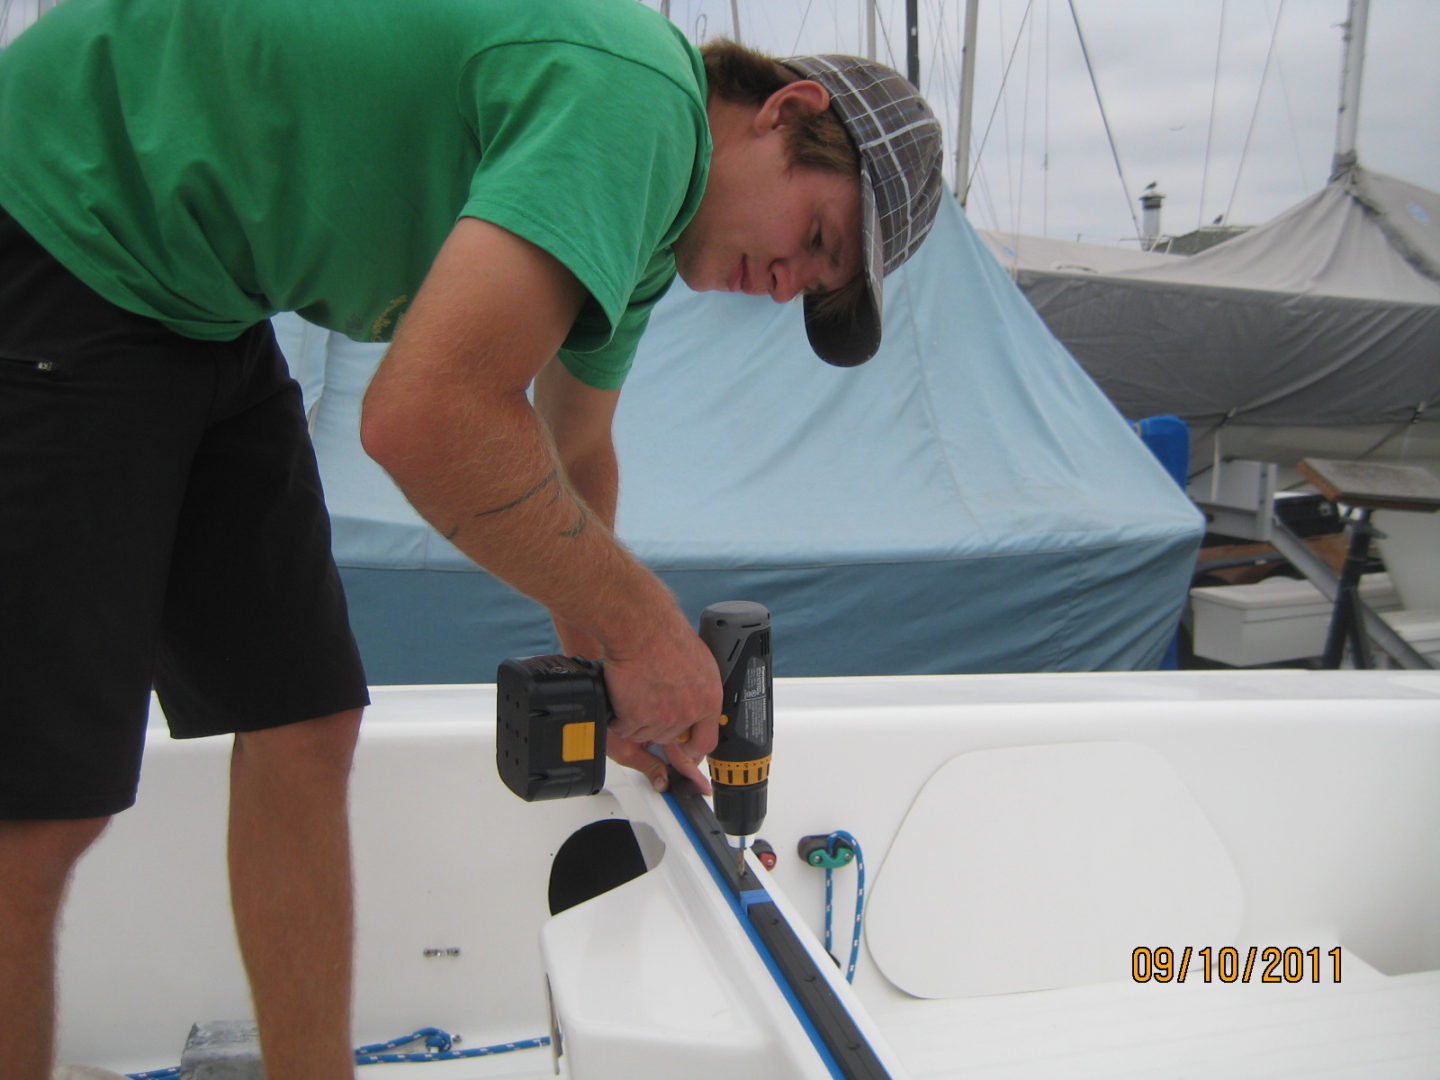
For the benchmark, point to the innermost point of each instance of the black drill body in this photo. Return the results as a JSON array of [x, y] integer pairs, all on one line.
[[738, 634], [553, 712]]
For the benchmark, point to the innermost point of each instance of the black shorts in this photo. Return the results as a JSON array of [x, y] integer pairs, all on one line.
[[161, 524]]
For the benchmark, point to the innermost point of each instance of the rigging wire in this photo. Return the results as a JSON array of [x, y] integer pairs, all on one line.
[[1114, 152], [980, 187], [1013, 225], [1210, 132], [1045, 157], [1305, 185], [981, 204], [795, 48], [1025, 125], [999, 96], [1255, 113], [889, 48], [940, 62], [939, 55]]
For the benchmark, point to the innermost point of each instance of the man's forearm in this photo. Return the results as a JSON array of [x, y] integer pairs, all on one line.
[[508, 503], [595, 478]]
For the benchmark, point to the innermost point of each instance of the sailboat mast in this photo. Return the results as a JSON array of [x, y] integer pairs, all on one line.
[[912, 40], [967, 98], [1351, 69]]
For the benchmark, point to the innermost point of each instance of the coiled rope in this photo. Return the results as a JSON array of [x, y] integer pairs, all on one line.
[[441, 1044]]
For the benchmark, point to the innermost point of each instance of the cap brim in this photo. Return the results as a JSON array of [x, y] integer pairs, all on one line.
[[851, 336]]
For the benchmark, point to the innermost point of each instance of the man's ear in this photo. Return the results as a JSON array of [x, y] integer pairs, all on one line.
[[780, 107]]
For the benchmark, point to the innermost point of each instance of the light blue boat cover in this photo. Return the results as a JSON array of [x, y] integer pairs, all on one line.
[[968, 501]]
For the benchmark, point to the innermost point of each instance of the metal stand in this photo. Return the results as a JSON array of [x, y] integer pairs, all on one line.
[[1366, 487], [1345, 623]]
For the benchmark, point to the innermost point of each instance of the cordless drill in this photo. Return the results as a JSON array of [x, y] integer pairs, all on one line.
[[553, 713]]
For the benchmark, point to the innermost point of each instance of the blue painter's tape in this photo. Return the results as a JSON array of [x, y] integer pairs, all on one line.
[[753, 896], [740, 903]]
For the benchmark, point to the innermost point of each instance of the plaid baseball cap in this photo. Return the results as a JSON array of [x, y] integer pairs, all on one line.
[[900, 187]]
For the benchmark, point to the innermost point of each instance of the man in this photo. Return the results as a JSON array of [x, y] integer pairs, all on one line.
[[506, 189]]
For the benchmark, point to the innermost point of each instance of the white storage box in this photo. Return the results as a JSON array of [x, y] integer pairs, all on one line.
[[1420, 629], [1272, 621], [1410, 545]]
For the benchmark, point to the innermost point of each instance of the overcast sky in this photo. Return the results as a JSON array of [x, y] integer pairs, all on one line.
[[1155, 62]]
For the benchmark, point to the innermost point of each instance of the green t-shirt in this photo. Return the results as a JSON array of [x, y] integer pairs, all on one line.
[[210, 163]]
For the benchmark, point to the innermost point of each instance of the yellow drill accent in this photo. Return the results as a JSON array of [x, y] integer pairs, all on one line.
[[577, 741], [740, 773]]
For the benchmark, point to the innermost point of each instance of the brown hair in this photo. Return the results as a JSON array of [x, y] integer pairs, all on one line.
[[818, 140], [745, 77]]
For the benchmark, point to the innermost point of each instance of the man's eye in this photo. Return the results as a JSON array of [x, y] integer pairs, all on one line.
[[817, 242]]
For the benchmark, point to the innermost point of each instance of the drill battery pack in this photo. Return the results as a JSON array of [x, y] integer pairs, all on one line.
[[550, 726]]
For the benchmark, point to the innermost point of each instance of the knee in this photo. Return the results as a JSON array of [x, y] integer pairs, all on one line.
[[42, 853]]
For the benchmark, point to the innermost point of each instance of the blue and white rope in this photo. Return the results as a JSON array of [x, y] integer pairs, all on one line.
[[442, 1048], [441, 1045], [854, 845]]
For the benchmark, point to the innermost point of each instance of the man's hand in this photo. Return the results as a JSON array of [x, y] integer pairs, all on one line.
[[685, 750], [670, 690]]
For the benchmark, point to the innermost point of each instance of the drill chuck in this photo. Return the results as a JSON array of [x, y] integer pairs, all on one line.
[[740, 810]]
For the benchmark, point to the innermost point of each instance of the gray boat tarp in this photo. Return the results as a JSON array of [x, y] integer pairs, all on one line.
[[966, 502], [1326, 315]]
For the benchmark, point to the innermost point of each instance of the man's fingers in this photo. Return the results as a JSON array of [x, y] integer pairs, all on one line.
[[685, 765], [704, 737], [698, 738], [634, 756]]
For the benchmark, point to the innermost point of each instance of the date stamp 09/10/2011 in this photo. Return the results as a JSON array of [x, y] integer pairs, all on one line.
[[1229, 964]]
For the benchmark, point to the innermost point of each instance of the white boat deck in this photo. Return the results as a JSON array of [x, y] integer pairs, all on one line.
[[1363, 1029], [521, 1065], [1371, 1026], [1073, 819]]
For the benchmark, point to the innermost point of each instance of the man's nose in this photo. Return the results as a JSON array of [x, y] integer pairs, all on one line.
[[790, 277]]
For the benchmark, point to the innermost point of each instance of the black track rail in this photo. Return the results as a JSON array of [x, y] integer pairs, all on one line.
[[811, 992]]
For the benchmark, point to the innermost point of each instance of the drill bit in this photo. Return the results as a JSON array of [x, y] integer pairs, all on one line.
[[743, 843]]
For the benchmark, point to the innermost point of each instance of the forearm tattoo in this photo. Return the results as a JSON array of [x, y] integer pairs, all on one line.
[[581, 519], [550, 481], [550, 478]]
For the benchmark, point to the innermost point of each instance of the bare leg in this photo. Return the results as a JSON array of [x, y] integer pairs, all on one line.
[[291, 887], [36, 858]]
